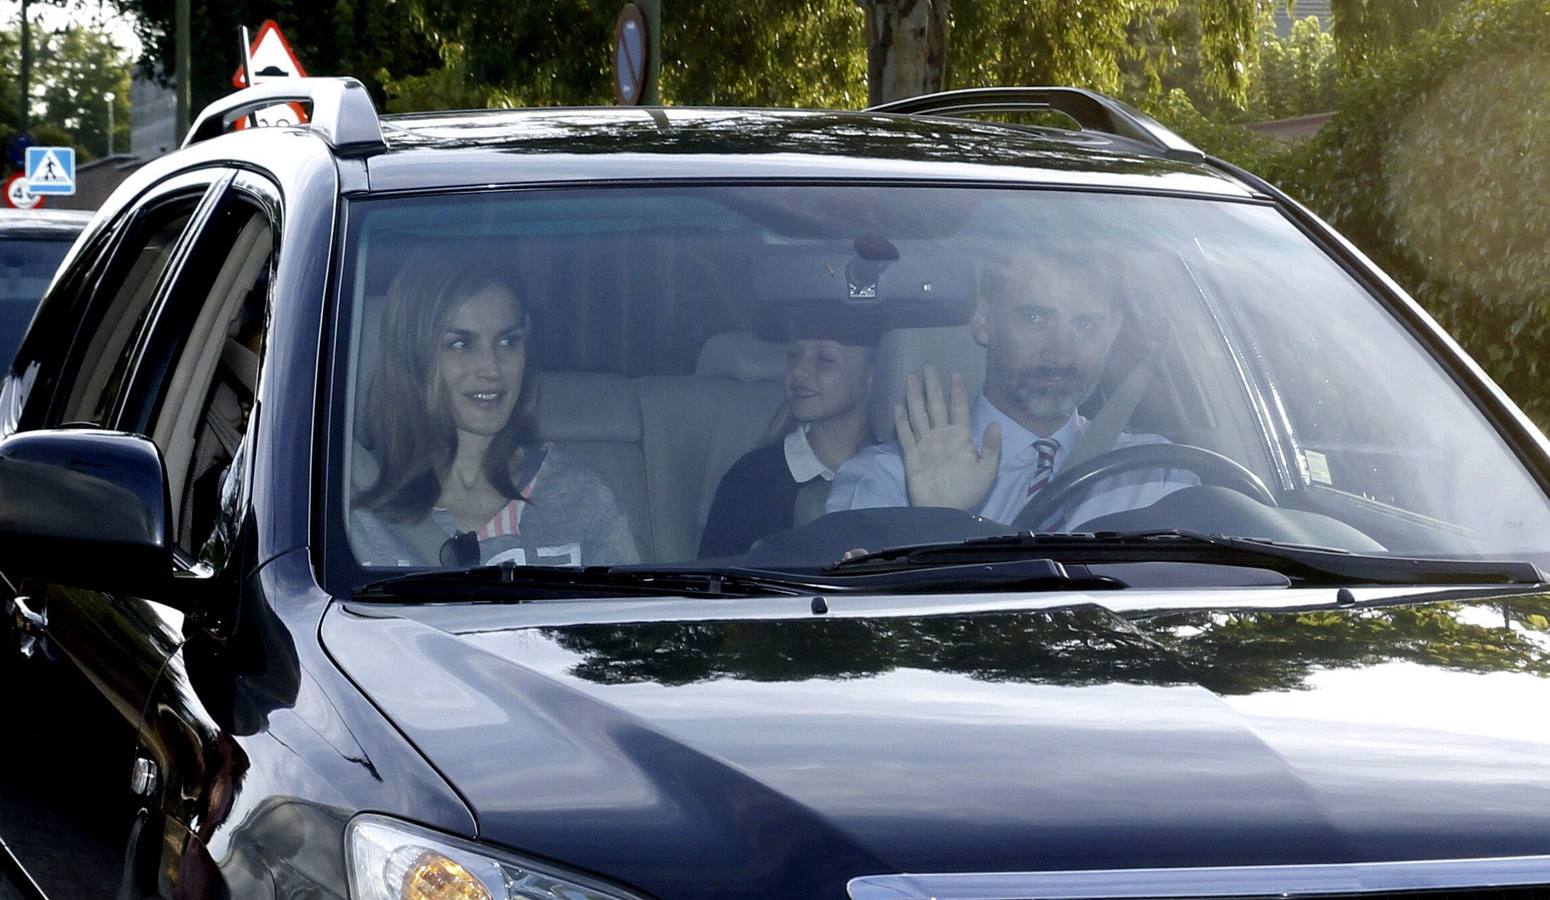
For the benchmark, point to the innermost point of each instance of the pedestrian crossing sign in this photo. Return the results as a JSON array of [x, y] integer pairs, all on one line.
[[51, 170]]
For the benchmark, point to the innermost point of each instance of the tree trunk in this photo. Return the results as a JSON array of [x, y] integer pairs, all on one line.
[[906, 48]]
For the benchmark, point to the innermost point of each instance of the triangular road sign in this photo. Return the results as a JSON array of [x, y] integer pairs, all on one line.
[[270, 56], [271, 59]]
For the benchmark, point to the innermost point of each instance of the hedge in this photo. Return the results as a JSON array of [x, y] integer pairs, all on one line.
[[1435, 164]]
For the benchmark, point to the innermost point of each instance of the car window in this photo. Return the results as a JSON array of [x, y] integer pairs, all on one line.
[[196, 375], [627, 374], [106, 356], [26, 267], [1356, 426]]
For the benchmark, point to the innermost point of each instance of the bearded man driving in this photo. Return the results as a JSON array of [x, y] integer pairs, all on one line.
[[1047, 324]]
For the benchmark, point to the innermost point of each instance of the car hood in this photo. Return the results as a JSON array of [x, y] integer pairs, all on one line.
[[722, 751]]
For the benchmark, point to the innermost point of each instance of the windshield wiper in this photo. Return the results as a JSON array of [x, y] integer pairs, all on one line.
[[512, 582], [1304, 564]]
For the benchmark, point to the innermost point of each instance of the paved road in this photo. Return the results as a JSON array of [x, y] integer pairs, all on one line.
[[57, 805]]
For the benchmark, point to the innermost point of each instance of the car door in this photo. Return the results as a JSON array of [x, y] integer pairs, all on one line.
[[194, 394], [83, 662]]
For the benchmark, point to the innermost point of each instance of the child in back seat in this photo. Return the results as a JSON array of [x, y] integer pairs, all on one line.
[[828, 378]]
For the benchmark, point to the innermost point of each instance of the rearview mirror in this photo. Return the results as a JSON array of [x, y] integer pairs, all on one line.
[[85, 508]]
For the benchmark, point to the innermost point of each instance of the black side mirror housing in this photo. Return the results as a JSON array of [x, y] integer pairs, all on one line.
[[85, 508]]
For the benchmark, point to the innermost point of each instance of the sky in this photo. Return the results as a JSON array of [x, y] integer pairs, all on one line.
[[74, 12]]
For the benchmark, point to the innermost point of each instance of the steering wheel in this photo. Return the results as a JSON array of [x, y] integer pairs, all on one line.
[[1211, 468]]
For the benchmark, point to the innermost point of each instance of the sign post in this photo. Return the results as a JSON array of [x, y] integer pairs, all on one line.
[[652, 10]]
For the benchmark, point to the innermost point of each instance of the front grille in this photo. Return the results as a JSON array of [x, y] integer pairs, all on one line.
[[1502, 878], [1539, 892]]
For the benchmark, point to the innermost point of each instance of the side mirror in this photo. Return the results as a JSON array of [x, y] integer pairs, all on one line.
[[85, 508]]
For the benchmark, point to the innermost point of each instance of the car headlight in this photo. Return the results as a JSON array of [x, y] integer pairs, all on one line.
[[392, 860]]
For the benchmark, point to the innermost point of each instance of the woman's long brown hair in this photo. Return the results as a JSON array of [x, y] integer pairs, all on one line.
[[409, 425]]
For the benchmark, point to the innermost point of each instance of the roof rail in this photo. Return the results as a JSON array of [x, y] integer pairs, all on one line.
[[1090, 109], [342, 112]]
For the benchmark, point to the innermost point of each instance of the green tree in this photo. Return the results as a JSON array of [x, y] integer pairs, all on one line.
[[822, 53], [1297, 75], [10, 81], [1367, 32], [76, 70], [766, 53], [73, 71], [369, 39], [495, 53], [1126, 47]]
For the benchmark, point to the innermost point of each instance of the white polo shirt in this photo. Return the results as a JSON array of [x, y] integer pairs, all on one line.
[[801, 460]]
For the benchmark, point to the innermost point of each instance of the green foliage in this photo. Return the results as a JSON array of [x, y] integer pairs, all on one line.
[[764, 53], [496, 53], [1296, 75], [995, 42], [73, 70], [767, 53], [47, 134], [77, 69], [1370, 32], [10, 82], [1131, 47], [1231, 142], [758, 52], [363, 38], [446, 87], [1440, 181]]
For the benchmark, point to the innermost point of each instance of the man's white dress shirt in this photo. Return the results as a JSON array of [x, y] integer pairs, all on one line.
[[875, 476]]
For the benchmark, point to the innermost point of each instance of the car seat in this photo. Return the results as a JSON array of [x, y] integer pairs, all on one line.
[[696, 426]]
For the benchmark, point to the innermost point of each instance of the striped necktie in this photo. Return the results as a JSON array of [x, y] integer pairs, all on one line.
[[1045, 470]]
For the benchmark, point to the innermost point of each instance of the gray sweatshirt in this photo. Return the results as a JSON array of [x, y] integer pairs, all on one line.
[[571, 519]]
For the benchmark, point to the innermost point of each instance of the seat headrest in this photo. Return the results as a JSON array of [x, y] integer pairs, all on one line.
[[950, 349], [587, 406], [742, 357]]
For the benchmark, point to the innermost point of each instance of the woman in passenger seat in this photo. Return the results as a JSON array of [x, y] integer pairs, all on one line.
[[828, 379], [450, 424]]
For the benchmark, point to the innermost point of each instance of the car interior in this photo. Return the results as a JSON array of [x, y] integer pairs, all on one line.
[[658, 320], [662, 442]]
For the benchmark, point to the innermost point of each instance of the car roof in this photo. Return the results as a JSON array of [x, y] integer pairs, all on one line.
[[427, 151], [62, 223]]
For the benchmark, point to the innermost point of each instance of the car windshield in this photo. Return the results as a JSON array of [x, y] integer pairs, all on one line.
[[720, 376], [26, 266]]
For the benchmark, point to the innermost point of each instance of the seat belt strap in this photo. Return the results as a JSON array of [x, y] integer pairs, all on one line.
[[1105, 428]]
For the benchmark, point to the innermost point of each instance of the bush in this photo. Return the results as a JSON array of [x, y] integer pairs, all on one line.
[[1435, 165], [1234, 143]]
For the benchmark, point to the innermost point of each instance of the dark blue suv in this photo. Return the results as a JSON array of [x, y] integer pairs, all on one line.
[[706, 503]]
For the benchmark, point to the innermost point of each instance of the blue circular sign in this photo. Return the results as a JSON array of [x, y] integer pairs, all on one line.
[[16, 149]]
